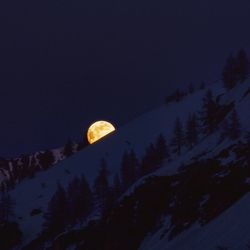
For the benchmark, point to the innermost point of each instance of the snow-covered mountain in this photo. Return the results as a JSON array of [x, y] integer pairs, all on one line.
[[14, 170], [196, 200]]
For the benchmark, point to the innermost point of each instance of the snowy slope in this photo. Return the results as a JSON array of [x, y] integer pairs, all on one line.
[[14, 170], [230, 229], [35, 193], [7, 166]]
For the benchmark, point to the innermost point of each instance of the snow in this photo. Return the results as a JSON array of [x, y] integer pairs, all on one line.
[[36, 192], [230, 229], [7, 170], [31, 193]]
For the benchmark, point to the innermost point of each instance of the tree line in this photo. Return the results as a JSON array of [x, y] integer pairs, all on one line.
[[10, 234], [75, 203], [210, 117], [236, 70], [26, 166], [67, 207]]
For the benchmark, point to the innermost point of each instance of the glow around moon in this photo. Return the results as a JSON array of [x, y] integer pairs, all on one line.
[[98, 130]]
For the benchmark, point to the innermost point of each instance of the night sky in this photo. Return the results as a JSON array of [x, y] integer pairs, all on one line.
[[65, 63]]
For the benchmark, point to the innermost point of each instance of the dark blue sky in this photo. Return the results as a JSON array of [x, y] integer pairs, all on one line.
[[66, 63]]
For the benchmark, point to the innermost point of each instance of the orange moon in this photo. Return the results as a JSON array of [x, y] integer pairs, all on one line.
[[98, 130]]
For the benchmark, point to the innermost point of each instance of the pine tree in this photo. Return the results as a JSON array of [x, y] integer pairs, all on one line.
[[135, 165], [191, 131], [208, 113], [117, 188], [32, 167], [188, 140], [82, 144], [46, 159], [149, 161], [55, 217], [161, 148], [225, 131], [6, 207], [194, 129], [79, 200], [242, 68], [10, 235], [68, 149], [178, 139], [178, 95], [229, 74], [125, 170], [85, 198], [101, 186], [234, 126], [73, 193], [128, 169]]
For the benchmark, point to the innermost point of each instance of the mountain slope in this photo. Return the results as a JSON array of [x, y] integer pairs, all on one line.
[[231, 230], [35, 193], [164, 208], [14, 170]]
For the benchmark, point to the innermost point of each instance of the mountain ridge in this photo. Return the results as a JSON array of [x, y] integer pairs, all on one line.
[[136, 135]]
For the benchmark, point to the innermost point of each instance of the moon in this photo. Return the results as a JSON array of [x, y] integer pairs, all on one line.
[[98, 130]]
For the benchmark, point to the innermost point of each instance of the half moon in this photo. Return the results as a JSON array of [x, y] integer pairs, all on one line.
[[98, 130]]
